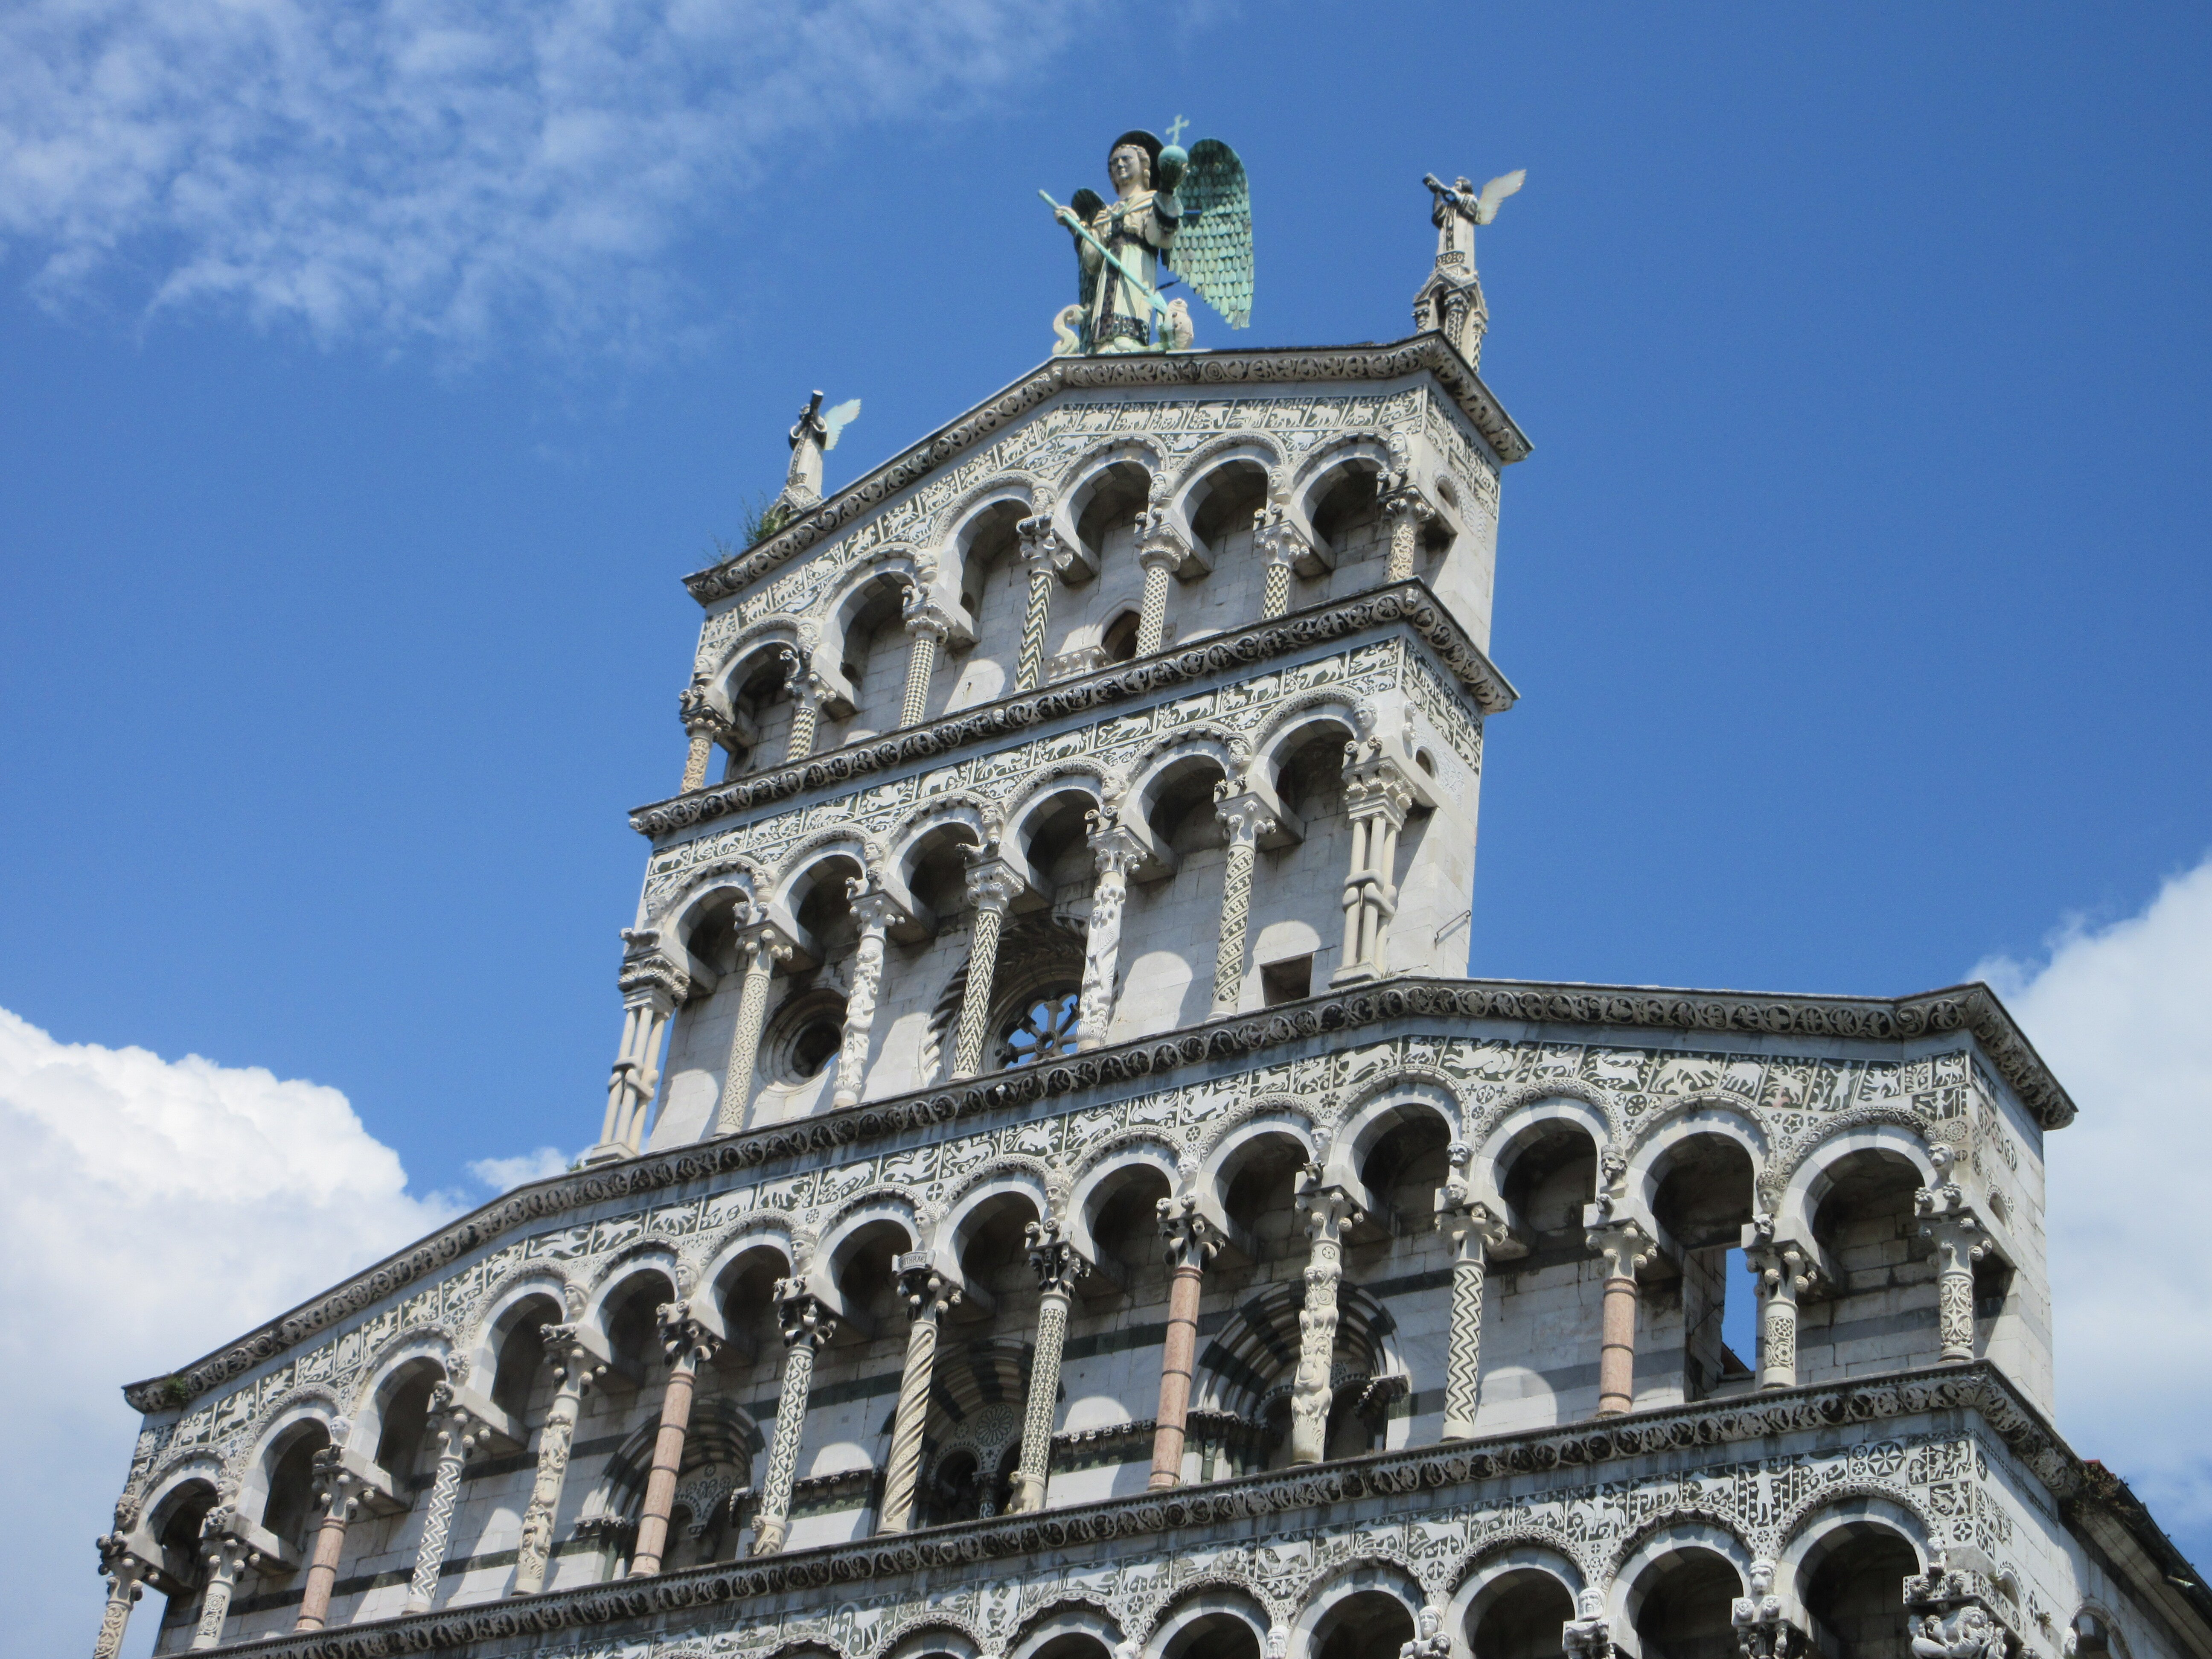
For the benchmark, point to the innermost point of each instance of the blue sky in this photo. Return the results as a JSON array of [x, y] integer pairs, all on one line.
[[370, 388]]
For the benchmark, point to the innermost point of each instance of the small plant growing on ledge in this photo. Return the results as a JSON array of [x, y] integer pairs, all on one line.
[[764, 516]]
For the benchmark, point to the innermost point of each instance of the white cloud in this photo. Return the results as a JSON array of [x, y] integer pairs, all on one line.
[[2123, 1015], [419, 168], [154, 1210], [505, 1174]]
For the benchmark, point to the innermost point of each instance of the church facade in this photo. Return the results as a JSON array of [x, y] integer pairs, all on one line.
[[1059, 1197]]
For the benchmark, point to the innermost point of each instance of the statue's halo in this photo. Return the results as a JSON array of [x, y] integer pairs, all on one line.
[[1149, 142]]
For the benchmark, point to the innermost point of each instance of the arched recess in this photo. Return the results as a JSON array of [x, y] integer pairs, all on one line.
[[934, 1642], [510, 1353], [864, 640], [1227, 490], [1842, 1565], [1167, 985], [721, 1445], [1116, 1197], [1364, 1609], [756, 687], [394, 1421], [1854, 1197], [280, 1490], [1098, 523], [1296, 931], [173, 1510], [1513, 1601], [985, 552], [1697, 1176], [1248, 1179], [1073, 1630], [1215, 1621], [1245, 1372], [1673, 1591]]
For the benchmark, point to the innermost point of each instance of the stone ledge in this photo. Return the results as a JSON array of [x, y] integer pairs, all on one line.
[[1973, 1010], [1980, 1388], [1410, 602], [1273, 367]]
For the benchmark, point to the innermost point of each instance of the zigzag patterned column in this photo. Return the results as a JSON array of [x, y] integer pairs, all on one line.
[[926, 626], [1474, 1232], [458, 1434]]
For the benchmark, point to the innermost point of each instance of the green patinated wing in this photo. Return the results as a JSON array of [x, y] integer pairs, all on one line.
[[1212, 249]]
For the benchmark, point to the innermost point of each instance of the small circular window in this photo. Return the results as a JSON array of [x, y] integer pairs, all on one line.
[[804, 1041], [1044, 1029]]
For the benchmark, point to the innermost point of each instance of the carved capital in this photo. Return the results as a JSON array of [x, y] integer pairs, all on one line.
[[1626, 1248], [921, 1287], [993, 884], [803, 1315], [646, 974], [1325, 1209], [875, 910], [1245, 815], [1468, 1224], [924, 618], [683, 1334], [1052, 1258], [1192, 1239]]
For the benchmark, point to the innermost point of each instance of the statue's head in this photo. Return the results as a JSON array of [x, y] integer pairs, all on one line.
[[1132, 161]]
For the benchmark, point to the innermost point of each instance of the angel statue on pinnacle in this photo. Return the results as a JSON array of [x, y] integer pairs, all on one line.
[[817, 431], [1186, 212]]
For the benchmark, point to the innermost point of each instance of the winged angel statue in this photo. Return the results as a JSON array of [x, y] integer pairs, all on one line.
[[1189, 211], [817, 431]]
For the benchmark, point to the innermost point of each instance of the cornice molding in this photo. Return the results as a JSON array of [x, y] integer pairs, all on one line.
[[1273, 367], [1980, 1389], [1973, 1010], [1409, 602]]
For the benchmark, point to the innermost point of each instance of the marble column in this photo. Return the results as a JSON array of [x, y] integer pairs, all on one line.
[[807, 1326], [992, 887], [926, 626], [1785, 1273], [687, 1345], [704, 727], [227, 1557], [1247, 819], [573, 1372], [1326, 1210], [1960, 1242], [1280, 546], [1114, 850], [339, 1492], [761, 948], [1627, 1248], [1404, 511], [1158, 560], [458, 1434], [1376, 798], [1474, 1232], [875, 910], [126, 1580], [1191, 1242], [1040, 556], [806, 689], [653, 986], [1057, 1267], [927, 1297]]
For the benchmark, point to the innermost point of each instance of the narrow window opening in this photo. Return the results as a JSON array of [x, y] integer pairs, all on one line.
[[1287, 981], [1119, 641]]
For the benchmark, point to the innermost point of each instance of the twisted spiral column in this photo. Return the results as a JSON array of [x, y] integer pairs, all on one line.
[[926, 1297], [1247, 819], [992, 886], [926, 626]]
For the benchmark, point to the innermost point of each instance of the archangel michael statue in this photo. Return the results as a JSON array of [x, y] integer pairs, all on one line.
[[1187, 213]]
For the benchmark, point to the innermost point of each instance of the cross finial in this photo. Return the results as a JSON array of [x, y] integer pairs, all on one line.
[[1175, 130]]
